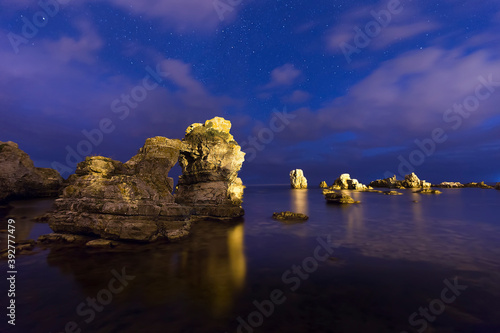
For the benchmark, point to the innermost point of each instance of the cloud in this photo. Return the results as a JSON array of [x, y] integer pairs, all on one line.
[[402, 26], [183, 15], [283, 76], [297, 97]]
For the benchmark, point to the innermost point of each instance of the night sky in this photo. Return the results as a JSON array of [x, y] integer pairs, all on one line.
[[369, 88]]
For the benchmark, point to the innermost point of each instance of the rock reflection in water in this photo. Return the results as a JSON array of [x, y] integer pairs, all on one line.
[[202, 274], [299, 201]]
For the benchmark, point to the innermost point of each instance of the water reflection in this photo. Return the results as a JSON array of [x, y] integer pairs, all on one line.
[[202, 273], [299, 201]]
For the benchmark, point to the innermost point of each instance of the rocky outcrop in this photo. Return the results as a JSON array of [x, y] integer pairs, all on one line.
[[20, 179], [130, 201], [392, 193], [297, 179], [210, 161], [323, 184], [478, 185], [290, 216], [344, 182], [497, 186], [449, 185], [410, 181]]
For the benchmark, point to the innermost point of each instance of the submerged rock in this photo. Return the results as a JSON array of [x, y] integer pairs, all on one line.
[[428, 191], [210, 160], [410, 181], [392, 193], [290, 216], [339, 198], [20, 179], [449, 185], [323, 184], [124, 201], [297, 179], [344, 182]]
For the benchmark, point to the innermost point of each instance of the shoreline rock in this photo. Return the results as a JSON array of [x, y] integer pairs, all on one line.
[[297, 179], [20, 179], [323, 184]]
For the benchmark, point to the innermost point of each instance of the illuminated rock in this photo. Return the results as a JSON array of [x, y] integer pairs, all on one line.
[[210, 160], [297, 179]]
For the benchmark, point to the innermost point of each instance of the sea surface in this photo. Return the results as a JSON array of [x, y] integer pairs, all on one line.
[[409, 263]]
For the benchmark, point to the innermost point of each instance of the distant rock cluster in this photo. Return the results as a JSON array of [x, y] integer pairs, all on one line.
[[410, 181], [344, 182], [20, 179]]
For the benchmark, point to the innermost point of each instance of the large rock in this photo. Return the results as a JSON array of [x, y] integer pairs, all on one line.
[[20, 179], [410, 181], [210, 161], [344, 182], [297, 179], [124, 201]]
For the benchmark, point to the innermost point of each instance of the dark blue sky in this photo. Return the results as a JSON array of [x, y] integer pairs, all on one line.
[[364, 87]]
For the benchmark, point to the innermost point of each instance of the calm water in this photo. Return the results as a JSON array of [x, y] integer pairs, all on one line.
[[391, 258]]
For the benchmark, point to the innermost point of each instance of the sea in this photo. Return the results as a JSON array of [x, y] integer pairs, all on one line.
[[407, 263]]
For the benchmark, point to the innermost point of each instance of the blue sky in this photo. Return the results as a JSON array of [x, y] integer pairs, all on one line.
[[369, 87]]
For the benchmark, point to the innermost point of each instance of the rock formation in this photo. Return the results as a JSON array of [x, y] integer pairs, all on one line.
[[410, 181], [497, 186], [344, 182], [449, 185], [297, 179], [210, 161], [323, 184], [20, 179], [124, 201]]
